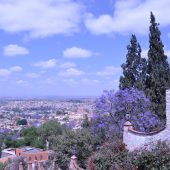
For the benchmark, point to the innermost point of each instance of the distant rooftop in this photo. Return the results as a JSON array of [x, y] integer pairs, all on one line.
[[10, 151], [28, 149]]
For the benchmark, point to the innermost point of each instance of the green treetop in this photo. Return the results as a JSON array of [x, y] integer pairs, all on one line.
[[134, 70], [158, 70]]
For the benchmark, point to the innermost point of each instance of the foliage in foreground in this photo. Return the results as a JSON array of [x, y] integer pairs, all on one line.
[[158, 158], [82, 144], [111, 156], [62, 140], [2, 166], [118, 158]]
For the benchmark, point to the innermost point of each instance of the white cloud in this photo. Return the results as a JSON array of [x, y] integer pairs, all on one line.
[[7, 72], [4, 72], [33, 75], [144, 53], [76, 52], [14, 50], [71, 72], [109, 71], [102, 25], [71, 82], [68, 65], [16, 69], [130, 16], [21, 82], [40, 18], [46, 64]]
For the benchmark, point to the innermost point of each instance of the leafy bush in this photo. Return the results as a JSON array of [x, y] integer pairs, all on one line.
[[81, 143], [37, 136], [11, 143], [2, 166], [51, 128], [158, 158], [118, 158], [63, 141], [14, 164], [29, 135], [111, 157]]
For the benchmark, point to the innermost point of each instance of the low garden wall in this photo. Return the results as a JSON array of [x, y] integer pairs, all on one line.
[[136, 140]]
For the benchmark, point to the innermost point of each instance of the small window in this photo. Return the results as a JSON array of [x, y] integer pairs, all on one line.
[[36, 158], [29, 158], [41, 157]]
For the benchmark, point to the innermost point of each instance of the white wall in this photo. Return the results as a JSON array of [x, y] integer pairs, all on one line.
[[168, 109]]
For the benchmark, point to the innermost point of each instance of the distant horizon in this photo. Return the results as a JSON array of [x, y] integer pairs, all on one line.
[[47, 97]]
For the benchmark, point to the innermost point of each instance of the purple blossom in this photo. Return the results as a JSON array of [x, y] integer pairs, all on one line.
[[111, 109]]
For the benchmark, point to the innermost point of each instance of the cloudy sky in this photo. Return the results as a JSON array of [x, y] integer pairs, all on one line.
[[71, 47]]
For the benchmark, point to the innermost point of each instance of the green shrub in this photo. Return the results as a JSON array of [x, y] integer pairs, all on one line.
[[2, 166], [158, 158], [81, 143], [111, 156], [116, 157]]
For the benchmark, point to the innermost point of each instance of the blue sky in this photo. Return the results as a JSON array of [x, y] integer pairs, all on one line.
[[71, 47]]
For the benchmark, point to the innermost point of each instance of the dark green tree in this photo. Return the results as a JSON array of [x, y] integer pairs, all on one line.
[[30, 135], [158, 70], [21, 122], [50, 128], [86, 122], [80, 143], [134, 70]]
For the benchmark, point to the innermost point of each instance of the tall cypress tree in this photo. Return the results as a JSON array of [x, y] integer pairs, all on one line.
[[158, 70], [134, 70]]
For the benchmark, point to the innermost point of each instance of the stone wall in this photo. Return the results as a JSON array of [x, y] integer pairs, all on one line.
[[135, 140], [168, 109]]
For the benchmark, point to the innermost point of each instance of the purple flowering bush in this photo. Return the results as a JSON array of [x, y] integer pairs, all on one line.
[[146, 122], [111, 110]]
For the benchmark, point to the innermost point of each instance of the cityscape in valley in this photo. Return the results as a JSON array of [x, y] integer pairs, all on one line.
[[84, 85], [38, 111]]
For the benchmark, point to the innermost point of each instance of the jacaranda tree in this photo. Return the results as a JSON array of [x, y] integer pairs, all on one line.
[[111, 110]]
